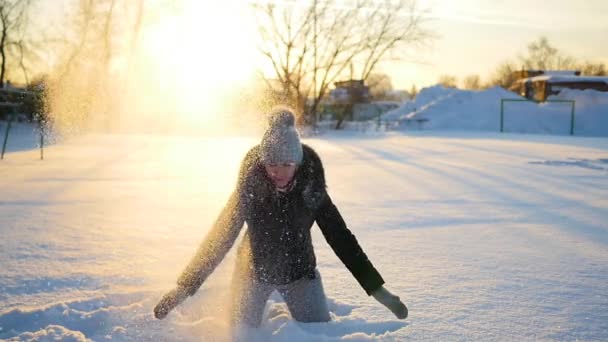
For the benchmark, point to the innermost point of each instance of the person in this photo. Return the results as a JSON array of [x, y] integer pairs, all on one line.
[[280, 193]]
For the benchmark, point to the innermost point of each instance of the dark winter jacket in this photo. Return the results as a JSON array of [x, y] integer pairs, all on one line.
[[277, 246]]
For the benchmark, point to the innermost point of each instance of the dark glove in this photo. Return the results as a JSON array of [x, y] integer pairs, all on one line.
[[391, 301], [169, 301]]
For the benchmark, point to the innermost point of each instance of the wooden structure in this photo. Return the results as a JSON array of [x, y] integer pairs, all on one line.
[[350, 92], [540, 87]]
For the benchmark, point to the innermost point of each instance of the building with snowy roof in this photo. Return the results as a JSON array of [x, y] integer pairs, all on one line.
[[539, 86]]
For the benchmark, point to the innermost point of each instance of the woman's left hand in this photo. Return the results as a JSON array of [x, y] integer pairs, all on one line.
[[391, 301]]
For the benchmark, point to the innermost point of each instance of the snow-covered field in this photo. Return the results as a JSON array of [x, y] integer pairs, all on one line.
[[485, 236]]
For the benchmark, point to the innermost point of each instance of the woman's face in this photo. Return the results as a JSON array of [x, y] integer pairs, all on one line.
[[281, 174]]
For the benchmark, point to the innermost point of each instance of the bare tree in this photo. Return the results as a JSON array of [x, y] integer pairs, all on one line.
[[472, 82], [379, 85], [413, 91], [83, 85], [13, 44], [593, 69], [504, 75], [312, 44], [447, 81], [133, 45], [107, 33], [78, 81], [543, 56], [90, 26]]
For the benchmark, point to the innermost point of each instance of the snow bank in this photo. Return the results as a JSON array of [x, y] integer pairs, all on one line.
[[443, 108], [591, 110], [451, 108], [52, 333], [426, 97], [23, 136], [72, 320]]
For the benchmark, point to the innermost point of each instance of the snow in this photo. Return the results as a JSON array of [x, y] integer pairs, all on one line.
[[52, 333], [561, 78], [451, 108], [440, 108], [485, 236], [560, 72], [21, 136]]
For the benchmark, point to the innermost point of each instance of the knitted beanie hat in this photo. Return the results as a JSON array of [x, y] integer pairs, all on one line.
[[281, 142]]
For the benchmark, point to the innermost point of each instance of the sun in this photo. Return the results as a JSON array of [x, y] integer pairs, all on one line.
[[202, 50]]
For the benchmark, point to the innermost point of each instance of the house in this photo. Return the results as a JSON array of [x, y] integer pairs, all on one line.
[[350, 101], [542, 84], [349, 92]]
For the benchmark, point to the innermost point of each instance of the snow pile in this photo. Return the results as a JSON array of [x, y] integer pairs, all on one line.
[[52, 333], [451, 108], [591, 110], [73, 320], [443, 108], [426, 97]]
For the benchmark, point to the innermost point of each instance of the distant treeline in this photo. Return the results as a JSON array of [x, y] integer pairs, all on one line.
[[541, 55]]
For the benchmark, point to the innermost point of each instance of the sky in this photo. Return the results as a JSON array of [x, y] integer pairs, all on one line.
[[473, 37], [477, 35]]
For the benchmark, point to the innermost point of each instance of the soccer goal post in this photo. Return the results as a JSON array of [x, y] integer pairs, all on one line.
[[502, 111]]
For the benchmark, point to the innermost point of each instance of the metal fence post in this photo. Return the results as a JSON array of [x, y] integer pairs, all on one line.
[[572, 120], [502, 115], [8, 128], [41, 142]]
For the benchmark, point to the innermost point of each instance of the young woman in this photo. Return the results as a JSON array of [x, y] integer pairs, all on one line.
[[280, 194]]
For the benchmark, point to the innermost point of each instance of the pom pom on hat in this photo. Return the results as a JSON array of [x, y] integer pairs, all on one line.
[[281, 117]]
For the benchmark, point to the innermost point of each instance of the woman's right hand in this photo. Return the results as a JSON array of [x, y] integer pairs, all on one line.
[[169, 301]]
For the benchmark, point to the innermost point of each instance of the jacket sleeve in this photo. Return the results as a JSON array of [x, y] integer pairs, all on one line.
[[215, 246], [346, 247], [222, 236]]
